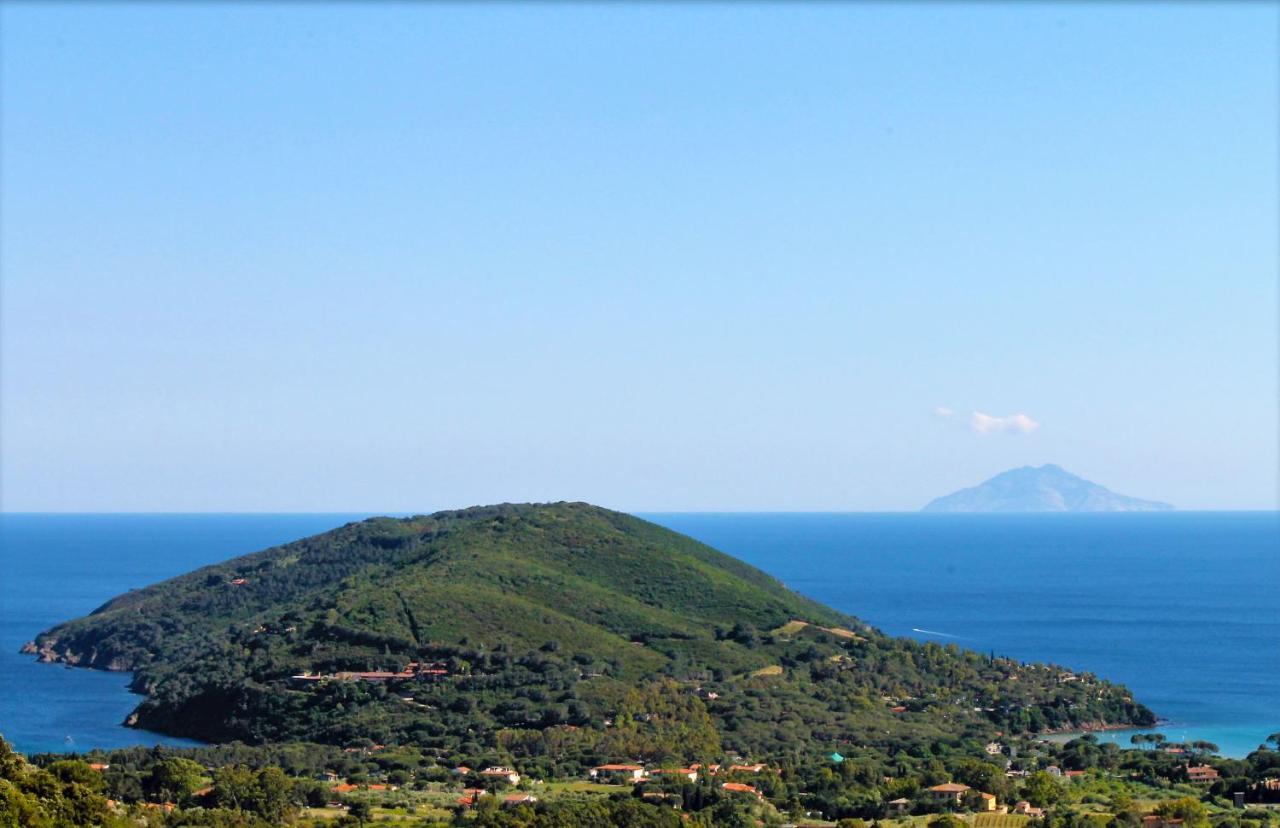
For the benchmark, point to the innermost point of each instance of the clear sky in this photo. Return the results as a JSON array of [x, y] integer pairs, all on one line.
[[406, 257]]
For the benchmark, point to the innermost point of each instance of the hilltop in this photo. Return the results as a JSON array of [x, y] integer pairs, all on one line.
[[562, 631], [1046, 488]]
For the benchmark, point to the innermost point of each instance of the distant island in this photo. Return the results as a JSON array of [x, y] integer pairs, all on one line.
[[1046, 488]]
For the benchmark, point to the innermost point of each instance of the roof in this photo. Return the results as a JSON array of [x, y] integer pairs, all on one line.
[[618, 767], [738, 786], [950, 787], [902, 800]]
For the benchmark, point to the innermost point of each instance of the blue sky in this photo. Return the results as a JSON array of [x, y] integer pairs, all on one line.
[[406, 257]]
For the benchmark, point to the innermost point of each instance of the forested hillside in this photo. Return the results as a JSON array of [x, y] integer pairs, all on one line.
[[563, 634]]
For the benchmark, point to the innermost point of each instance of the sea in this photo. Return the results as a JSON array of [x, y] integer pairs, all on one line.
[[1182, 607]]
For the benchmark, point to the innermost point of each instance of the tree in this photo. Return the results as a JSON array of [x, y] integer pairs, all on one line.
[[360, 810], [947, 821], [233, 786], [1190, 810], [272, 796], [173, 778], [1041, 790]]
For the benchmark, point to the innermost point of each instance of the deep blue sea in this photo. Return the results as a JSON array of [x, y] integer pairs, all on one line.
[[1182, 607]]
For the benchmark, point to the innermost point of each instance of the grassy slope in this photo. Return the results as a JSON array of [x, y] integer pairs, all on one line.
[[520, 575]]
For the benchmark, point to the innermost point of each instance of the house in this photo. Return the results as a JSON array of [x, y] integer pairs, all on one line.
[[756, 768], [738, 787], [1024, 807], [1053, 770], [470, 796], [1202, 773], [98, 766], [618, 773], [512, 800], [985, 801], [994, 748], [461, 770], [500, 773], [948, 793], [1072, 774], [901, 805], [688, 773]]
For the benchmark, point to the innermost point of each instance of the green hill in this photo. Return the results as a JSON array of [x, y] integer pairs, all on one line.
[[560, 630]]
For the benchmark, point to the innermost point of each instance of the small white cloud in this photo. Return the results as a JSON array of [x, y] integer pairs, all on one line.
[[1013, 424], [943, 411]]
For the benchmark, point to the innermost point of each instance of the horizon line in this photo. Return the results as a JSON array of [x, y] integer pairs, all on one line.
[[402, 513]]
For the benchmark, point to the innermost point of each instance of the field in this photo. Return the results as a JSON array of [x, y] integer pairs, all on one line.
[[999, 820]]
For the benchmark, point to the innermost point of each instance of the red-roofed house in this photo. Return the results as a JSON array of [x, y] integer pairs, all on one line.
[[512, 800], [687, 773], [756, 768], [470, 796], [1202, 773], [1025, 807], [738, 787], [499, 772], [618, 773], [948, 793]]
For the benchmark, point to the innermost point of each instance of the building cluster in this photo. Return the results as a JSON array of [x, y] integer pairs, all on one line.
[[428, 671], [631, 774]]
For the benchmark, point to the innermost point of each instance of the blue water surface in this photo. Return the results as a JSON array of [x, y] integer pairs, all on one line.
[[57, 567], [1184, 608], [1181, 607]]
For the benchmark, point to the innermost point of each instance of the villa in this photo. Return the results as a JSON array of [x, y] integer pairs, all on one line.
[[948, 793], [618, 773], [499, 772], [1202, 773], [512, 800], [1025, 807], [688, 773]]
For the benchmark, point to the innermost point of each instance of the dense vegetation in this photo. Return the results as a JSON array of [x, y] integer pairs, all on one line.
[[567, 635], [1080, 784]]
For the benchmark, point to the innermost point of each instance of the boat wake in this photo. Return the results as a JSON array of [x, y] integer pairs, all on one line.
[[935, 632]]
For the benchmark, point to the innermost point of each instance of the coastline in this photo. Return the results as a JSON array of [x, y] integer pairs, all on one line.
[[1075, 731]]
